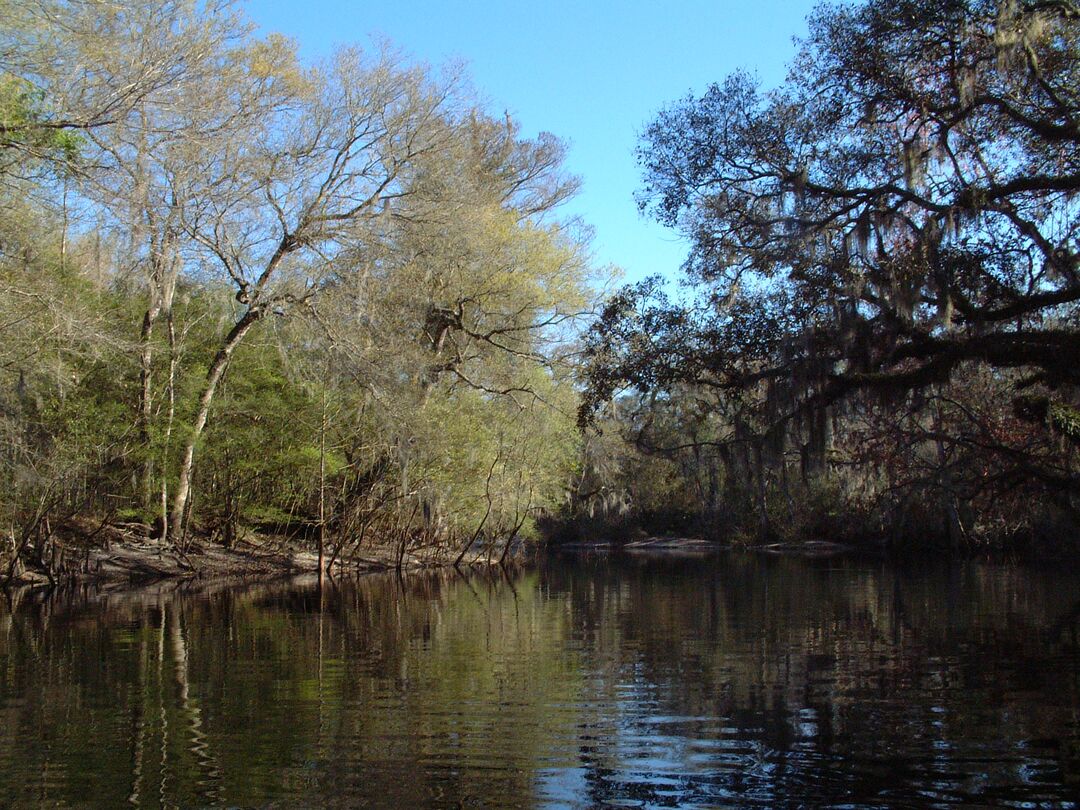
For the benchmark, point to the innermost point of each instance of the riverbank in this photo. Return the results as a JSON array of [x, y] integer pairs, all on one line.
[[638, 543], [123, 555], [142, 562]]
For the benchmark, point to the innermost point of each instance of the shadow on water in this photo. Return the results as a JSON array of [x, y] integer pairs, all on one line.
[[733, 680]]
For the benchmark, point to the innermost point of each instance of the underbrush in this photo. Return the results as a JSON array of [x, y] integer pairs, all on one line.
[[918, 521]]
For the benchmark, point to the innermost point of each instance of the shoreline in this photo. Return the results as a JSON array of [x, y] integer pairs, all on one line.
[[681, 545], [138, 562], [134, 563], [670, 544]]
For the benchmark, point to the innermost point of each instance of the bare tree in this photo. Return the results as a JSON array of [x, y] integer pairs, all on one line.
[[300, 194], [151, 166], [77, 66]]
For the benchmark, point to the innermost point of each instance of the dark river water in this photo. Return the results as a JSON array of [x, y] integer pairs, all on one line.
[[735, 680]]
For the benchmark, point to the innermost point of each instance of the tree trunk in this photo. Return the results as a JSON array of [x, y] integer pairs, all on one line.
[[145, 397], [950, 513], [322, 489], [213, 377], [169, 420]]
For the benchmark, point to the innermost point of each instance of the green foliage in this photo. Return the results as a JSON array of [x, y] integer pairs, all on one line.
[[361, 320], [64, 423], [25, 126], [1066, 420]]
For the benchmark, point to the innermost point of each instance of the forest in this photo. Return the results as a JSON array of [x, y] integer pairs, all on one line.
[[244, 295], [244, 292]]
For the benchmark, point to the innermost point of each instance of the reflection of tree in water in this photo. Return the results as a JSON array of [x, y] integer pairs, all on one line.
[[741, 679], [371, 698], [864, 678]]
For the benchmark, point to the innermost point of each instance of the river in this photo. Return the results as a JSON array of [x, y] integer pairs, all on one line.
[[732, 680]]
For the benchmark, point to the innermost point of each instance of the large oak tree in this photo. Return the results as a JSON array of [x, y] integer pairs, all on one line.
[[900, 213]]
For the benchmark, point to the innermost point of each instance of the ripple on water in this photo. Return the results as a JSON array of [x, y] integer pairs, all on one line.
[[734, 681]]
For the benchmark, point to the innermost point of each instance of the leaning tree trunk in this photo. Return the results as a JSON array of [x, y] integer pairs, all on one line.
[[213, 377]]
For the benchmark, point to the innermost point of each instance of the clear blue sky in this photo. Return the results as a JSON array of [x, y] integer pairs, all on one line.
[[593, 72]]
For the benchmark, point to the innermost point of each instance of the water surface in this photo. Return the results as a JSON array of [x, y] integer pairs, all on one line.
[[736, 680]]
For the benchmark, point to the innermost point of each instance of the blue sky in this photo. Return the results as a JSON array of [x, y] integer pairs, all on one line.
[[593, 72]]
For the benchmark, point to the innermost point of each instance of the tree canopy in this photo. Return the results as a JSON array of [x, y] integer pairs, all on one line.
[[899, 217], [241, 289]]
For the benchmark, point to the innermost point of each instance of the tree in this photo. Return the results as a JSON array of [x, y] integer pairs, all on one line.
[[147, 165], [63, 356], [902, 211], [290, 205], [457, 334]]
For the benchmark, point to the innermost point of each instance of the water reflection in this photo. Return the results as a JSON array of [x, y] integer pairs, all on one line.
[[730, 681]]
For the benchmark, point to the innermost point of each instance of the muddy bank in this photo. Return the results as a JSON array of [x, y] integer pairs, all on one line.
[[140, 560]]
